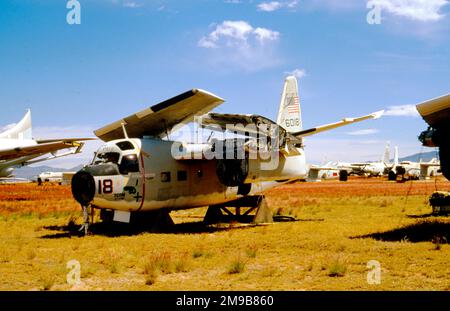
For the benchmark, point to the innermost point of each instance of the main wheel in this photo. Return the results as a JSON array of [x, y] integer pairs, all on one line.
[[343, 175], [392, 176]]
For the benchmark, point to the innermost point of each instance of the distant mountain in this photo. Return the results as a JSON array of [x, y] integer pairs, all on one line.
[[425, 156], [29, 172]]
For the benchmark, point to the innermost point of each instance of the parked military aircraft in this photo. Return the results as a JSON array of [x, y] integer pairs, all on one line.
[[341, 170], [415, 170], [19, 148], [136, 171], [376, 168], [326, 171]]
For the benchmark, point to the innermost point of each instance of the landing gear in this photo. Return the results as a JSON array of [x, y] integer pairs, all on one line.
[[343, 175], [392, 176], [86, 222], [243, 209]]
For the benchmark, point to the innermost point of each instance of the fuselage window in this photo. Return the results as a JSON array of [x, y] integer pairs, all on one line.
[[165, 177], [125, 145], [181, 175], [129, 164]]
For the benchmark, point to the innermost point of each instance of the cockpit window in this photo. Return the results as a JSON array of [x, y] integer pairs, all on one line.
[[129, 164], [125, 145], [107, 157]]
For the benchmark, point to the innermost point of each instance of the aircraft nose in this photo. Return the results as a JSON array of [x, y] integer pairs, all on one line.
[[83, 187]]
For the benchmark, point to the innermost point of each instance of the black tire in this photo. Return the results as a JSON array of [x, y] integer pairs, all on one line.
[[392, 176], [343, 175]]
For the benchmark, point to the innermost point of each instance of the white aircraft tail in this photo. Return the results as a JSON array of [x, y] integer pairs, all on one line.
[[289, 113], [21, 130], [395, 155], [387, 153]]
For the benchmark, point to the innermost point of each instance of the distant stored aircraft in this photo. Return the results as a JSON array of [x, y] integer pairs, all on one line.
[[341, 170], [56, 177], [377, 168], [19, 148], [51, 177], [136, 173], [415, 170]]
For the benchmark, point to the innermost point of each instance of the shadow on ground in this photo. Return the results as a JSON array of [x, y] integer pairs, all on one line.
[[122, 229], [423, 231]]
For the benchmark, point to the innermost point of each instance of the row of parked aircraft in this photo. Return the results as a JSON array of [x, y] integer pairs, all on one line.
[[392, 169], [140, 174]]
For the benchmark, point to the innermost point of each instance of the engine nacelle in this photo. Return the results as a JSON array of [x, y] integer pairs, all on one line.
[[232, 172], [444, 156], [439, 138]]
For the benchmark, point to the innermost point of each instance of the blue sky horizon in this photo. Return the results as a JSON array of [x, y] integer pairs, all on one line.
[[127, 55]]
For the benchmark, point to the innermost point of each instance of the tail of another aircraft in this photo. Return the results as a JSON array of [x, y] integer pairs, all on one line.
[[387, 153], [21, 130], [289, 113], [395, 155]]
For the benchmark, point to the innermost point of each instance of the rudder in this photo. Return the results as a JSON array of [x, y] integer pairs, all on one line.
[[289, 113]]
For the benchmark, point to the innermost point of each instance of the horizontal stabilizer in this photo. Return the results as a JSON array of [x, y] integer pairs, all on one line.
[[345, 121]]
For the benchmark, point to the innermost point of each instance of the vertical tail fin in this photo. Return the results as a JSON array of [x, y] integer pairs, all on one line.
[[289, 113], [21, 130], [387, 153], [395, 155]]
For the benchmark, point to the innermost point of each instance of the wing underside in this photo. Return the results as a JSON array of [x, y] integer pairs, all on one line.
[[37, 150]]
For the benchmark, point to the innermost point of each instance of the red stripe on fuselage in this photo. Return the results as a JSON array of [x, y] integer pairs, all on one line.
[[143, 181]]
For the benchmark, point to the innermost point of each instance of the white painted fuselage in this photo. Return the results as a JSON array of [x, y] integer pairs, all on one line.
[[162, 182]]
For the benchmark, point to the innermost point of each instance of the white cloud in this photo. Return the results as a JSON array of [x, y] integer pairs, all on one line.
[[264, 35], [419, 10], [131, 5], [276, 5], [269, 6], [236, 33], [238, 43], [298, 73], [402, 111], [363, 132]]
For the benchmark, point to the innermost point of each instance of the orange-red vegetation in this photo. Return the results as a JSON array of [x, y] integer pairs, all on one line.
[[34, 199]]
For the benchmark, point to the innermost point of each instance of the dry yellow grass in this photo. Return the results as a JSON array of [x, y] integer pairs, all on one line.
[[339, 231]]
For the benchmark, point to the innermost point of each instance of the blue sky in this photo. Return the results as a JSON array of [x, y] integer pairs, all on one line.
[[129, 54]]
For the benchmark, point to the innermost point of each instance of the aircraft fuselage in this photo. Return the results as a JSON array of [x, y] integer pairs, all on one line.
[[150, 178]]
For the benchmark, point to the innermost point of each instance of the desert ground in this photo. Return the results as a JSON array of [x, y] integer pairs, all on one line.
[[339, 228]]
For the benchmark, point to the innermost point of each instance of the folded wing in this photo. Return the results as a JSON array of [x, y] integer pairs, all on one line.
[[161, 118]]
